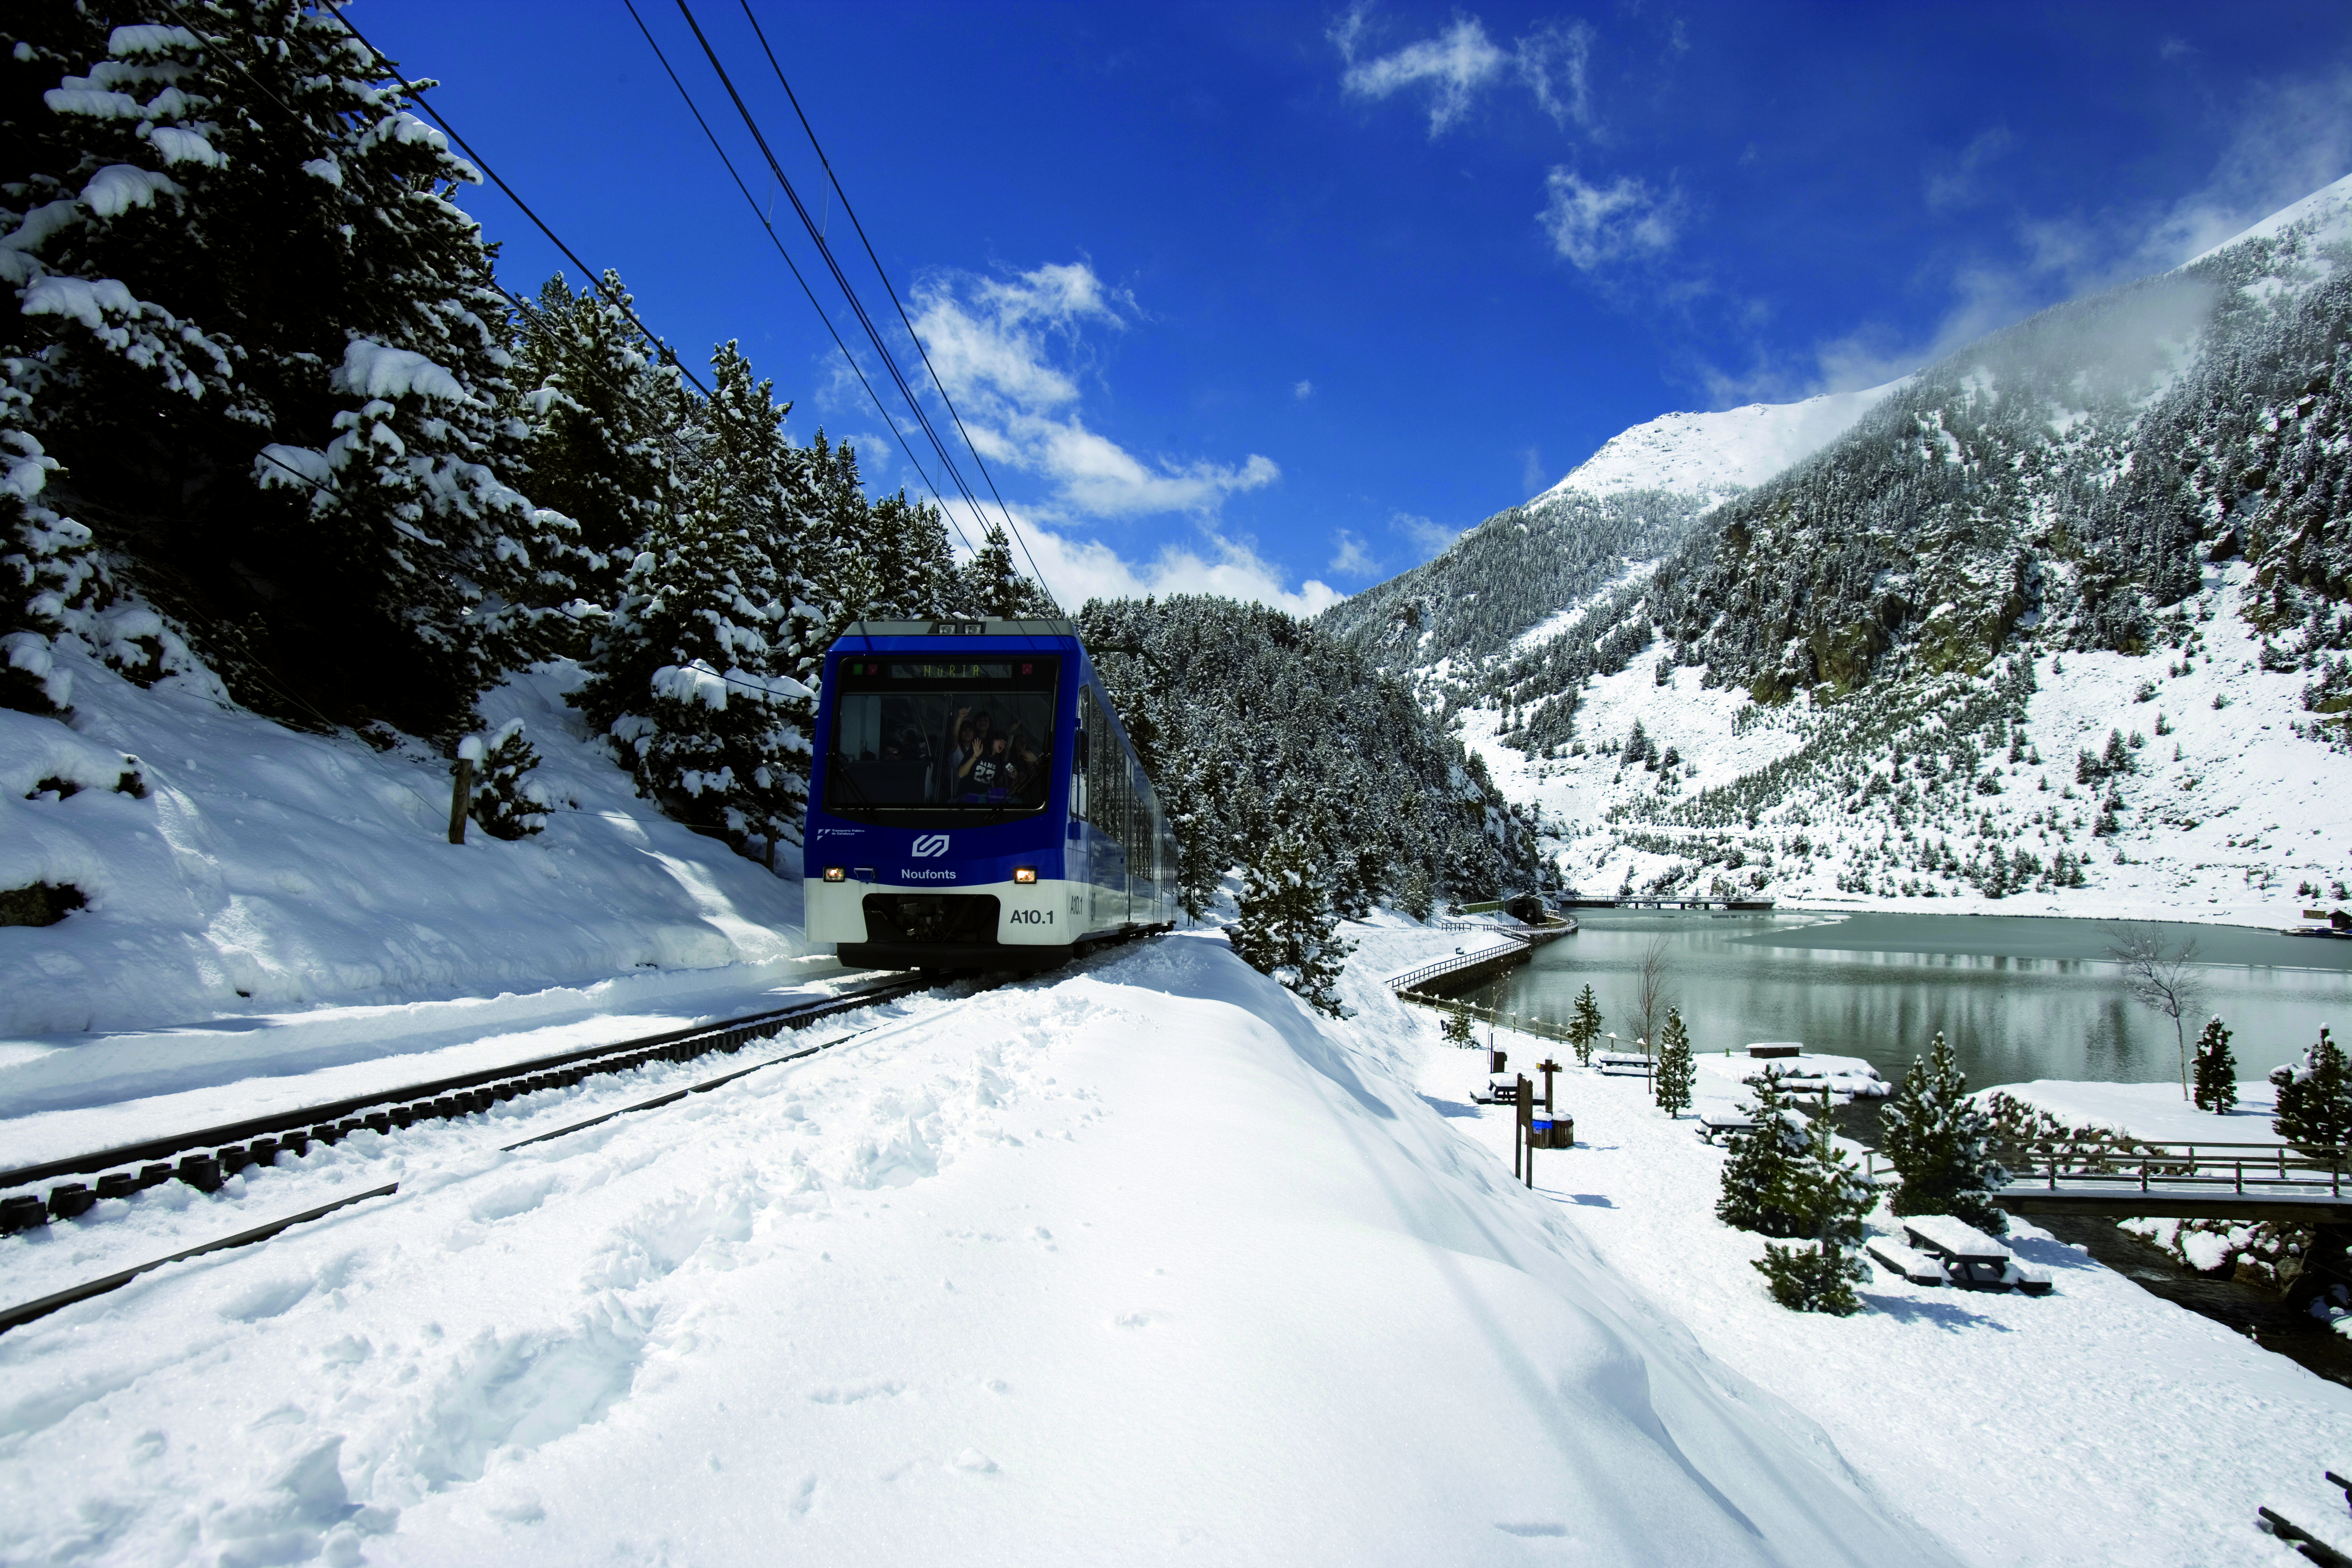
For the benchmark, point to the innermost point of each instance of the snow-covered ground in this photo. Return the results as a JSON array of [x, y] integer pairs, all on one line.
[[1718, 454], [2156, 1112], [268, 870], [1141, 1261], [2095, 1425], [2228, 814]]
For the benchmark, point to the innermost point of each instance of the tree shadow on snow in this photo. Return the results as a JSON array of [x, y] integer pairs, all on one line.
[[1943, 1314], [1450, 1107]]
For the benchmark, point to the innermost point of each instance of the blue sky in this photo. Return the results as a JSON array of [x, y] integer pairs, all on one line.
[[1273, 300]]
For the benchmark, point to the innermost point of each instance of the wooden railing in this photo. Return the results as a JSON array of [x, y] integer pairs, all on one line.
[[2277, 1168]]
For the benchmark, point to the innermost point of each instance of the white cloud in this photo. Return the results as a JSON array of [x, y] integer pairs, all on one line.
[[1303, 391], [1552, 61], [1533, 476], [1592, 225], [1957, 184], [1077, 570], [1455, 65], [2295, 137], [1012, 354], [1427, 538], [1352, 559]]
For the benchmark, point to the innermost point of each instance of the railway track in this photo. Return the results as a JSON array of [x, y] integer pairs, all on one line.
[[207, 1157]]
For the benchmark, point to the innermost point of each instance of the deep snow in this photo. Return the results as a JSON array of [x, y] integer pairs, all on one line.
[[2096, 1425], [1141, 1261], [1718, 454], [269, 870]]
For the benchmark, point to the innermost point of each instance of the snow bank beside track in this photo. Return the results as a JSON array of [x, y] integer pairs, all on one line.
[[266, 869], [2098, 1424], [1141, 1261]]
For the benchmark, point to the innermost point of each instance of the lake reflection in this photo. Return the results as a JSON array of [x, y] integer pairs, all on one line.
[[2019, 998]]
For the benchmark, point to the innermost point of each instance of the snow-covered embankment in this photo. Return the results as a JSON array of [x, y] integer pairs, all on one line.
[[1140, 1261]]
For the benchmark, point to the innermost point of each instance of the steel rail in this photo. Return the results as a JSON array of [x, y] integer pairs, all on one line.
[[751, 1025]]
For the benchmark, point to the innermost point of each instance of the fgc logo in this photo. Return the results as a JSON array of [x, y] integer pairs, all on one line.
[[930, 846]]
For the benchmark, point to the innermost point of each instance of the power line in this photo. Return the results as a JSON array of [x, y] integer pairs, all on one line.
[[841, 280], [850, 212], [849, 293], [510, 294], [854, 368], [618, 303]]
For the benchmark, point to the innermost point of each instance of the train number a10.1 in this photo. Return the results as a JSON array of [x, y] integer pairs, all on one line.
[[1032, 917]]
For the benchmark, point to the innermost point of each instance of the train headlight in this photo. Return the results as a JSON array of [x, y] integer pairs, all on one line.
[[835, 874], [1024, 874]]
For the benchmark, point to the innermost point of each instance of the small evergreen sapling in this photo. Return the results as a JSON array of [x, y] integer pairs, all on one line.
[[1671, 1083], [1584, 1027], [2217, 1069], [1456, 1030], [1941, 1142], [506, 804], [1824, 1191], [1755, 1179], [2314, 1100], [1288, 929]]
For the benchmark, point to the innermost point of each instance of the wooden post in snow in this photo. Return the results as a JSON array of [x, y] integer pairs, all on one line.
[[1527, 1126], [461, 795]]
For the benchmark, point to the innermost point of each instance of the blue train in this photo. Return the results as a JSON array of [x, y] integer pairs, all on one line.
[[975, 803]]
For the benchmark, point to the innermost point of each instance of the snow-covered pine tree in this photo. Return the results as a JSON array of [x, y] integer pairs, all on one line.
[[1941, 1142], [2314, 1100], [2216, 1085], [267, 349], [1755, 1192], [508, 803], [683, 677], [1584, 1027], [609, 420], [993, 585], [1456, 1030], [1671, 1081], [1287, 928], [1827, 1198]]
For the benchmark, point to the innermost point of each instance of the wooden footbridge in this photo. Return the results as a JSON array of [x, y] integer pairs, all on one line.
[[1691, 901], [2247, 1181], [1460, 971]]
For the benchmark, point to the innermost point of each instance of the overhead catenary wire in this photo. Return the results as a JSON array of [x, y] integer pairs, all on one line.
[[662, 350], [841, 279], [855, 369], [593, 277], [937, 380]]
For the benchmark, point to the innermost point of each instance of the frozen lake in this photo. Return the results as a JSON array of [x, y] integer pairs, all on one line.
[[2018, 997]]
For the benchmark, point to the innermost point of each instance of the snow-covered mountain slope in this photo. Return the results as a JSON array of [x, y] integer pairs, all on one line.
[[2151, 485], [266, 869], [2228, 810], [1141, 1262], [1716, 455], [2324, 215]]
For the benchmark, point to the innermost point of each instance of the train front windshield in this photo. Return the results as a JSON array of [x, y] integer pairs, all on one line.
[[942, 734]]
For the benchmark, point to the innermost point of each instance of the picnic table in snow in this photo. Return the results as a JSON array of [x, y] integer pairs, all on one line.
[[1496, 1088], [1623, 1062], [1945, 1250], [1720, 1118]]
